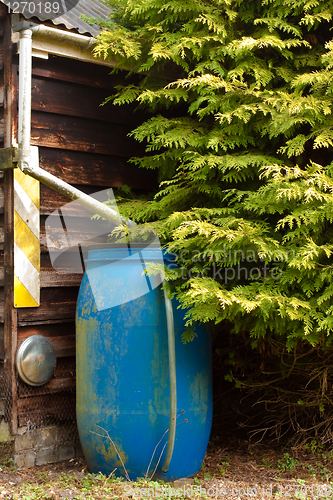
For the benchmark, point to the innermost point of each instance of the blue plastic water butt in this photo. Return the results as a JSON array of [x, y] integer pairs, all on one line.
[[123, 372]]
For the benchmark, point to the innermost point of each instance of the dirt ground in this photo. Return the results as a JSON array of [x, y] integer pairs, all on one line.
[[233, 468]]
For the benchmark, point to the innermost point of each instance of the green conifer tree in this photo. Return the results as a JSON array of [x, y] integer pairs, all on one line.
[[241, 133]]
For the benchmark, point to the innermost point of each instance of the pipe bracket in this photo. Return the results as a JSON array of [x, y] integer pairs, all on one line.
[[24, 25]]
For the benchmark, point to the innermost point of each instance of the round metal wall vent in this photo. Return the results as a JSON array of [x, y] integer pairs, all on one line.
[[36, 360]]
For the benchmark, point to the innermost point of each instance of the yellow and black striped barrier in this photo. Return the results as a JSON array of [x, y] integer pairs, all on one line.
[[26, 238]]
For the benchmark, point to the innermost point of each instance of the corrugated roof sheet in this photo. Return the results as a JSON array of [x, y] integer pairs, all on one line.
[[70, 19]]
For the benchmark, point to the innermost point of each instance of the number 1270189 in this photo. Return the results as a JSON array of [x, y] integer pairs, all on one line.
[[37, 8]]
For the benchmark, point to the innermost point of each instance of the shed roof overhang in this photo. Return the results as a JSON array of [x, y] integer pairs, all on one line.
[[70, 19], [48, 40]]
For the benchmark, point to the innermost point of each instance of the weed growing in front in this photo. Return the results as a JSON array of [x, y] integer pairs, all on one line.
[[223, 470], [288, 462]]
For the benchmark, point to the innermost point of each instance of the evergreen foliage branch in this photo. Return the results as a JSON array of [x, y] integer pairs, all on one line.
[[241, 134]]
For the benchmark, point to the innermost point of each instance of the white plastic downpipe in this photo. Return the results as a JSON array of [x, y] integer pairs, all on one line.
[[24, 139], [24, 115], [75, 194]]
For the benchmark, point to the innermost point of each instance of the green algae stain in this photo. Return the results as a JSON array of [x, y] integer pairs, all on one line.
[[111, 450], [199, 390], [86, 359], [151, 412], [5, 434], [103, 445], [160, 376]]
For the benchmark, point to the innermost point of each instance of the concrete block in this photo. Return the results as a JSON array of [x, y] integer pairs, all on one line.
[[48, 436], [32, 439], [24, 441], [46, 455], [22, 430], [25, 460], [48, 445], [65, 452]]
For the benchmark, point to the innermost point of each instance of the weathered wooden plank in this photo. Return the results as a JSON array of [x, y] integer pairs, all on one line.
[[78, 134], [72, 99], [69, 70], [63, 266], [63, 275], [2, 129], [2, 276], [57, 384], [63, 380], [47, 314], [51, 200], [52, 278], [51, 321], [77, 231], [2, 347], [2, 198], [2, 238], [2, 234], [57, 304], [2, 271], [80, 168], [62, 337]]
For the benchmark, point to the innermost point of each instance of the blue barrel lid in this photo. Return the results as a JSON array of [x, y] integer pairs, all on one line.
[[114, 252]]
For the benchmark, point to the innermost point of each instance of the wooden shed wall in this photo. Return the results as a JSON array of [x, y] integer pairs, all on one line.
[[86, 145], [8, 315], [2, 94]]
